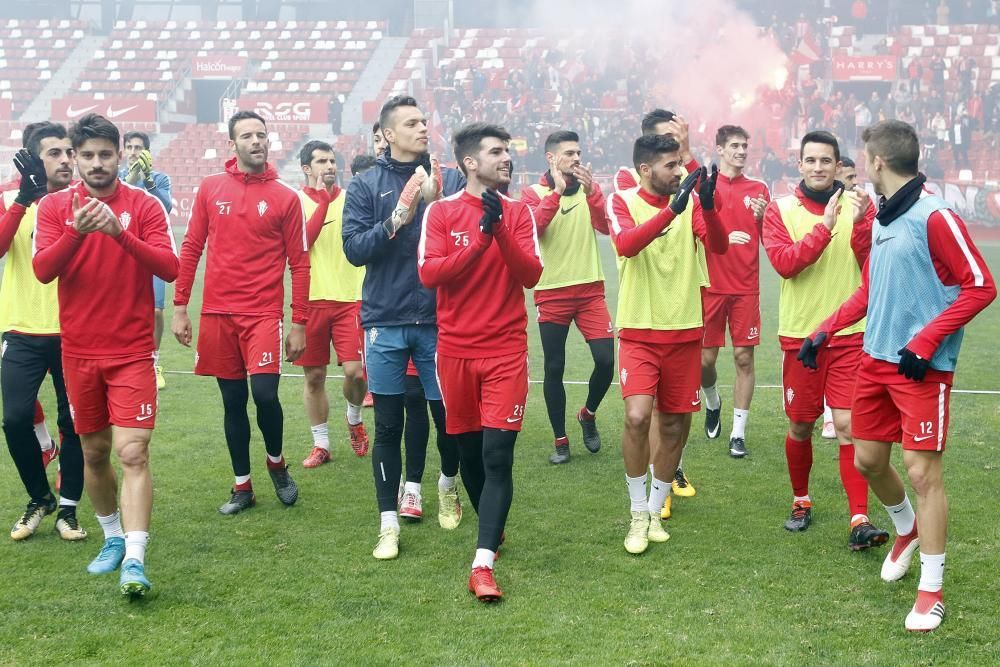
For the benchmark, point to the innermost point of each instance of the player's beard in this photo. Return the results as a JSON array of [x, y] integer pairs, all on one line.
[[665, 188], [99, 181]]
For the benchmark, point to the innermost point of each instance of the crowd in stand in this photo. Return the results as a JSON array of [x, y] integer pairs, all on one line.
[[601, 97]]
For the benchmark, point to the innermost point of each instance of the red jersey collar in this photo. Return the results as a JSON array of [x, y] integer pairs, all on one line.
[[269, 173], [654, 199]]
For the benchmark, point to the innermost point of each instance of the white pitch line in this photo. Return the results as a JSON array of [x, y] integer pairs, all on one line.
[[985, 392]]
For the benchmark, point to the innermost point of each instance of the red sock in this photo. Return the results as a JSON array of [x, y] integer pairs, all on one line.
[[799, 454], [245, 486], [854, 482], [562, 441], [584, 413], [39, 413], [276, 466]]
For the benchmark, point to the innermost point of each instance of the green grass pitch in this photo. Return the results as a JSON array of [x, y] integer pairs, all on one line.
[[298, 585]]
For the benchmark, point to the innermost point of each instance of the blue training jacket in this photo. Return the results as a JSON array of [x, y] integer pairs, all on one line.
[[392, 294]]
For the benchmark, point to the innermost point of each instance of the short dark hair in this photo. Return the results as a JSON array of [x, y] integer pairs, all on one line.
[[34, 133], [306, 154], [142, 136], [723, 133], [361, 164], [243, 115], [847, 163], [895, 142], [654, 118], [93, 126], [650, 146], [376, 126], [28, 129], [559, 137], [391, 105], [468, 139], [820, 137]]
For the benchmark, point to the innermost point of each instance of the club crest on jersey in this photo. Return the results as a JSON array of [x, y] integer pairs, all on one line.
[[746, 201], [372, 335], [789, 395], [126, 219], [261, 208]]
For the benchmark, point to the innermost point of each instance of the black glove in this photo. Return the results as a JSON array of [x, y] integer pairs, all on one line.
[[492, 211], [912, 366], [706, 189], [680, 200], [34, 183], [810, 348]]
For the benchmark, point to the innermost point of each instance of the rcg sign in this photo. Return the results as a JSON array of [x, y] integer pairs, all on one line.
[[287, 111]]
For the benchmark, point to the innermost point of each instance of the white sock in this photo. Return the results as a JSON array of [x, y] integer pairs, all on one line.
[[389, 520], [902, 516], [44, 439], [242, 479], [112, 525], [412, 487], [712, 400], [484, 558], [637, 493], [801, 499], [321, 436], [931, 572], [739, 423], [66, 502], [658, 492], [858, 518], [353, 414], [274, 459], [135, 545], [446, 483]]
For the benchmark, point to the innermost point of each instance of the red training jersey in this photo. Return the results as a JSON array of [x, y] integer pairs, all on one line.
[[789, 258], [631, 238], [957, 261], [253, 224], [480, 278], [105, 284], [738, 270]]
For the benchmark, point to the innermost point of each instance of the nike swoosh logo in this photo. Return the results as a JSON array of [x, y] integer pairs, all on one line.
[[328, 223], [696, 402], [752, 337], [142, 418], [73, 113], [261, 364], [385, 194], [920, 438], [664, 232], [565, 211], [883, 240], [513, 420], [114, 113]]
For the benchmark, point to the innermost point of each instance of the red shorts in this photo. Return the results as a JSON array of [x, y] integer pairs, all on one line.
[[805, 388], [481, 393], [742, 311], [669, 371], [337, 322], [915, 414], [119, 391], [591, 315], [232, 346]]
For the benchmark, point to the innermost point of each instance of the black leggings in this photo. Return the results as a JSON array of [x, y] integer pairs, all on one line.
[[487, 459], [602, 351], [236, 421], [26, 360], [416, 433]]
